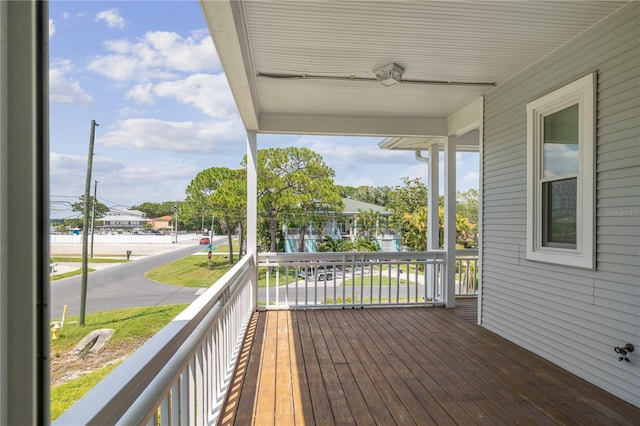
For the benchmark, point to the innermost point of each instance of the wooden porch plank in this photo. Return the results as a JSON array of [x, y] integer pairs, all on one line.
[[413, 366], [369, 356], [266, 402], [452, 391], [353, 395], [302, 409], [400, 371], [239, 406], [455, 370], [319, 399], [284, 396], [495, 389], [377, 408], [520, 378], [337, 398]]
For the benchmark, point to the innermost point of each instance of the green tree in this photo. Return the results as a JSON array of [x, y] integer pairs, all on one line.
[[467, 210], [101, 209], [294, 184], [367, 224], [153, 210], [220, 191], [368, 194], [414, 226], [366, 244], [407, 204]]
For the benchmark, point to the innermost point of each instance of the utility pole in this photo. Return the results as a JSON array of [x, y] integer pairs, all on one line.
[[85, 227], [93, 215], [175, 209]]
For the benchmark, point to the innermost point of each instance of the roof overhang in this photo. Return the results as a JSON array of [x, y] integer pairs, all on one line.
[[305, 67]]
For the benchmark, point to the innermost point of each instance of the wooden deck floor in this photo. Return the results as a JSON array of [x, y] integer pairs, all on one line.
[[402, 366]]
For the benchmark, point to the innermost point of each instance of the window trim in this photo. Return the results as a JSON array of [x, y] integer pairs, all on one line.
[[581, 92]]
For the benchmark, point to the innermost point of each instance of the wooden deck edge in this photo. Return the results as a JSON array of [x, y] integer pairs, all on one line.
[[252, 340]]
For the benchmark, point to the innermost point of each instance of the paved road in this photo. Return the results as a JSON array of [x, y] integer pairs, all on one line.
[[123, 286]]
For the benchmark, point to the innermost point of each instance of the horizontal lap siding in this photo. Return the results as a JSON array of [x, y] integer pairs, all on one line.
[[570, 316]]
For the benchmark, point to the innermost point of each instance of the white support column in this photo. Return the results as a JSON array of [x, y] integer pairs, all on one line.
[[450, 219], [252, 208], [433, 215], [433, 291], [24, 213]]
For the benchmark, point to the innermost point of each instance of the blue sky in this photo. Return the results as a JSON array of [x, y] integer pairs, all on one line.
[[148, 73]]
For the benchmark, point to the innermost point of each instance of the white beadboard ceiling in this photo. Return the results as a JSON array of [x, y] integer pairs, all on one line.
[[332, 41]]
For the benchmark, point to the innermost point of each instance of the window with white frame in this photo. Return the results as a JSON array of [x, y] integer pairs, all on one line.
[[560, 175]]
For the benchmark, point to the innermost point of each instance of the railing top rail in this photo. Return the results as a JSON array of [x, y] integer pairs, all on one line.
[[107, 402], [467, 252], [350, 256]]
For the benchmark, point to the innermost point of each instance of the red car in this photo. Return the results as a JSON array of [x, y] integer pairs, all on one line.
[[205, 241]]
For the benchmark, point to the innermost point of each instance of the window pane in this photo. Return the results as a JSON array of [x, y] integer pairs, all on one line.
[[559, 215], [561, 142]]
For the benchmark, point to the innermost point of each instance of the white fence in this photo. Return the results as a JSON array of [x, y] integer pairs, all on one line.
[[123, 238]]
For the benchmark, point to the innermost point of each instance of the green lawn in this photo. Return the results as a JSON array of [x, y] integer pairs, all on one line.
[[191, 271], [132, 326], [262, 276], [366, 281]]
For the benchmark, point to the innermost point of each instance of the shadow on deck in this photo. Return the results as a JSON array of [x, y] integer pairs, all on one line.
[[402, 366]]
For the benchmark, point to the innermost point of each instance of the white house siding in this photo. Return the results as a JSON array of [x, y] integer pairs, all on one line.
[[572, 317]]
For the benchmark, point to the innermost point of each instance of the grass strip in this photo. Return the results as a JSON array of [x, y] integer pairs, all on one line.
[[366, 281], [68, 274], [191, 271], [62, 259]]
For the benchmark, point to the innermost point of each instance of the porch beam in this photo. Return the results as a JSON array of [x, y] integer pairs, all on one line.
[[225, 22], [252, 208], [467, 118], [353, 125], [450, 218]]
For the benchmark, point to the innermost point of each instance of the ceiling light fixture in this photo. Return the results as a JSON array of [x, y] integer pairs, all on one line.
[[389, 74]]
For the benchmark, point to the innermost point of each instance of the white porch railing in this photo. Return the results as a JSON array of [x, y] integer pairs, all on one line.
[[180, 376], [303, 280], [467, 272]]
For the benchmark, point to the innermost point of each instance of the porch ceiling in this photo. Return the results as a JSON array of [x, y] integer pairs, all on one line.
[[307, 67]]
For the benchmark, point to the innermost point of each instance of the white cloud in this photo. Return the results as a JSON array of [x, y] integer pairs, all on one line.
[[157, 55], [126, 68], [64, 89], [192, 54], [52, 28], [119, 183], [206, 92], [560, 159], [350, 151], [188, 137], [355, 181], [112, 18], [68, 172], [141, 94]]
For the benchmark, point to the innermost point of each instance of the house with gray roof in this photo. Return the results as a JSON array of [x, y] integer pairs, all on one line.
[[343, 226]]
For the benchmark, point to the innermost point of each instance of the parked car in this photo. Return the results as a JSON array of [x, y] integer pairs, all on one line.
[[205, 241], [320, 273]]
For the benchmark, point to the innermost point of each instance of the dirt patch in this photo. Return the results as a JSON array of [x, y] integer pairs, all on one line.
[[68, 366]]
